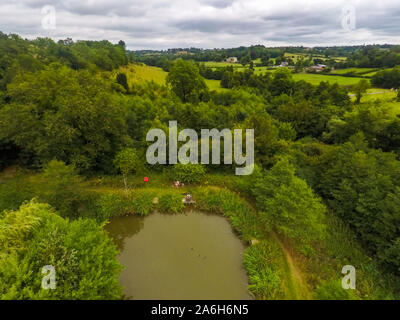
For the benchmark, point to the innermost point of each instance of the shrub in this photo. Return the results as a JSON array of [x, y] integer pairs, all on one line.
[[190, 173], [13, 193], [83, 256], [61, 187]]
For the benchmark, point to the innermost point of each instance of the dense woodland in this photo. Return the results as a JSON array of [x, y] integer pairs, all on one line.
[[327, 178]]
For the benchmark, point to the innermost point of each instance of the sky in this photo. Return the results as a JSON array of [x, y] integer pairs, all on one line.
[[160, 24]]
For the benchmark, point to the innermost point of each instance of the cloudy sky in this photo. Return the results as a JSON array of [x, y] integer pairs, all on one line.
[[161, 24]]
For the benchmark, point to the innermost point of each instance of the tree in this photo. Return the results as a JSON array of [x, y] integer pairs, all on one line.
[[251, 67], [61, 187], [186, 82], [123, 81], [360, 88], [289, 204], [245, 60], [387, 78], [363, 187], [227, 80], [126, 161], [266, 136], [69, 115], [286, 131]]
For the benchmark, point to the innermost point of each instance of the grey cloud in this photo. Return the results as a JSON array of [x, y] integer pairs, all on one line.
[[218, 3], [206, 23]]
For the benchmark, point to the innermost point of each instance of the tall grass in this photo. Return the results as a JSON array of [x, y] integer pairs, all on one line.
[[263, 262]]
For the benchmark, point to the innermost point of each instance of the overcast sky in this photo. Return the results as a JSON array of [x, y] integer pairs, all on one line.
[[160, 24]]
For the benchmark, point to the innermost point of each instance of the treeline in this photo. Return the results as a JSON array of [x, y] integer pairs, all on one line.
[[387, 78], [20, 55], [200, 55], [373, 56], [370, 56]]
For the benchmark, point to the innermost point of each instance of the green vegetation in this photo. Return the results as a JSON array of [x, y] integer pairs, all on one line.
[[185, 81], [127, 162], [189, 172], [354, 71], [289, 204], [262, 262], [137, 73], [387, 78], [35, 236], [317, 78], [325, 191]]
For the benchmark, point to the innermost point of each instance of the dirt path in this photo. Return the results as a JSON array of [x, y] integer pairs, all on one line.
[[295, 282]]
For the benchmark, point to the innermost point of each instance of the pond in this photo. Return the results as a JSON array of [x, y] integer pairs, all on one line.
[[192, 255]]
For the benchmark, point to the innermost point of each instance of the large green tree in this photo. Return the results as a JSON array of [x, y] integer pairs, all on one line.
[[289, 204], [185, 80], [69, 115], [363, 188]]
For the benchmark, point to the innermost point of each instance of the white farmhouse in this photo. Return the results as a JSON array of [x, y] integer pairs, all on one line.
[[232, 60]]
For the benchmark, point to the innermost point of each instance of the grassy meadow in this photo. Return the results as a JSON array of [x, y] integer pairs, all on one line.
[[315, 79]]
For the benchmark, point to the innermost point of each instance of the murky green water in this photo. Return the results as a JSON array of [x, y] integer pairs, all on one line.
[[192, 255]]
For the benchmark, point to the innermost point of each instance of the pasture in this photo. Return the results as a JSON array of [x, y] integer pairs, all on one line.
[[315, 79]]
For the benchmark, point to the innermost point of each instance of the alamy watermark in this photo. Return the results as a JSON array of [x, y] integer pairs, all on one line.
[[349, 280], [349, 19], [49, 280], [189, 152], [49, 18]]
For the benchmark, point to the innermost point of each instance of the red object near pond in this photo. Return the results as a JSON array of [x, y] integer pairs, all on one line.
[[146, 179]]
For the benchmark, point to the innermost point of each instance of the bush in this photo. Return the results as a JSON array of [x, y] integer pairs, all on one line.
[[286, 131], [61, 187], [13, 193], [190, 173], [83, 256]]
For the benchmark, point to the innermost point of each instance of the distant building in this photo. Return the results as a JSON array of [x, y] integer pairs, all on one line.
[[232, 60], [284, 64], [318, 68]]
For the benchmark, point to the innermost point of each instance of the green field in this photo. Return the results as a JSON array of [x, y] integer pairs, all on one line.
[[315, 79], [214, 64], [386, 96], [214, 85], [139, 73], [370, 74], [297, 56], [360, 71]]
